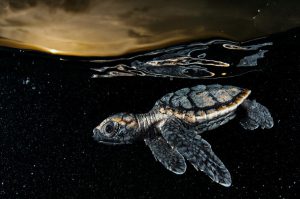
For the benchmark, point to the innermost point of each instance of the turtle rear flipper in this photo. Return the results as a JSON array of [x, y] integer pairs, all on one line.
[[257, 116], [196, 150], [165, 154]]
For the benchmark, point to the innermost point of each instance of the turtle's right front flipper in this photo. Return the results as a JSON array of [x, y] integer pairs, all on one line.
[[195, 149], [165, 154]]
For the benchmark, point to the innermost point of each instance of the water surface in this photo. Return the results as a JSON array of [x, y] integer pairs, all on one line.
[[117, 27]]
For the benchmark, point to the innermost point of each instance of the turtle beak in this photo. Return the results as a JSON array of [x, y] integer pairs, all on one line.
[[99, 137]]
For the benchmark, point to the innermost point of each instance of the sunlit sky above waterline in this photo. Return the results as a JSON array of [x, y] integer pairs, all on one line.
[[116, 27]]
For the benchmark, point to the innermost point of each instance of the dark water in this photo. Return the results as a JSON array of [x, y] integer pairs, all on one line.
[[49, 106]]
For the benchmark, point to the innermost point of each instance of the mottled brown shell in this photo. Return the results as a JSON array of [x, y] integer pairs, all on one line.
[[202, 102]]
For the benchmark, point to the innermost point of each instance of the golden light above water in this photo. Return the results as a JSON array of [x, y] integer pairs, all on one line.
[[115, 27]]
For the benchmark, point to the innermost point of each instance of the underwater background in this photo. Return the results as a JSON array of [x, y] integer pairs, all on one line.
[[67, 65]]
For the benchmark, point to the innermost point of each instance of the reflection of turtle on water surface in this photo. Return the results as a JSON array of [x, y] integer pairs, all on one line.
[[171, 129]]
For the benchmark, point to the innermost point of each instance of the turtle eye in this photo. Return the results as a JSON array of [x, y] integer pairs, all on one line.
[[110, 128]]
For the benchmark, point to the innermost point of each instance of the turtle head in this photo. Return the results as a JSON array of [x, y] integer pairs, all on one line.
[[120, 128]]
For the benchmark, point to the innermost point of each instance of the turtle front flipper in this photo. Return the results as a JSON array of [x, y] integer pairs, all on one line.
[[195, 149], [165, 154], [257, 116]]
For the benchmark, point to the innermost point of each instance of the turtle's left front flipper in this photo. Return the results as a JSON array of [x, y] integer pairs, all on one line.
[[165, 154], [195, 149]]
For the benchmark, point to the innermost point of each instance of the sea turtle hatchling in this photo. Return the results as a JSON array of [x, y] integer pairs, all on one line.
[[172, 128]]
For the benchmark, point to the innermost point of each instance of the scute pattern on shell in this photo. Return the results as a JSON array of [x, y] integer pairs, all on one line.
[[198, 99]]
